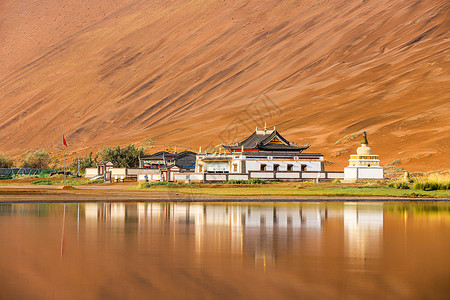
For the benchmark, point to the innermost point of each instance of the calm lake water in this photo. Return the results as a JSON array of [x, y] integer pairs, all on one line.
[[225, 251]]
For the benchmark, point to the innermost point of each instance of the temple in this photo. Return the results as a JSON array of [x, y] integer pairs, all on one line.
[[263, 151]]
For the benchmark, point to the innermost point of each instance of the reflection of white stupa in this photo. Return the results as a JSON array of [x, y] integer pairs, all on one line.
[[363, 165]]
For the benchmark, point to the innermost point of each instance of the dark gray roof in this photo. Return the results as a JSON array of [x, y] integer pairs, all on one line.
[[181, 159], [260, 140], [159, 155]]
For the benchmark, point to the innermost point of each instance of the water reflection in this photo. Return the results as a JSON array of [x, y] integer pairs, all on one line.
[[363, 230], [318, 242], [263, 231]]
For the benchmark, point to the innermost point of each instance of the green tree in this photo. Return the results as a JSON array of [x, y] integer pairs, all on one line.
[[127, 157], [38, 159], [85, 162], [6, 162]]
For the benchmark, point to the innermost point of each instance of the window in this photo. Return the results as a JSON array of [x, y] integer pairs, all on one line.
[[289, 168], [303, 168], [263, 167], [200, 168], [235, 168], [276, 167]]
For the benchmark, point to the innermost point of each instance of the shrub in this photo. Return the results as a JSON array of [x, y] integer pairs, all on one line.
[[402, 185], [251, 181], [39, 159], [143, 185], [6, 162], [336, 181], [433, 182]]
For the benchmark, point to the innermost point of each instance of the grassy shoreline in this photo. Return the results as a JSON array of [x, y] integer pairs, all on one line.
[[227, 190], [322, 189]]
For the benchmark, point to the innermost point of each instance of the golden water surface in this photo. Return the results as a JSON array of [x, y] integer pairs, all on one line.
[[225, 251]]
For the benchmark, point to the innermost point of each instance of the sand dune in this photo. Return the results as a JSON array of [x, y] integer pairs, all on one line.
[[195, 73]]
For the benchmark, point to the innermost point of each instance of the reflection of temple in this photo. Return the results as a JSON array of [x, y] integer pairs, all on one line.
[[263, 231]]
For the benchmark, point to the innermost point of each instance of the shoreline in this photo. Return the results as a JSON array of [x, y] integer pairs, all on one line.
[[111, 194]]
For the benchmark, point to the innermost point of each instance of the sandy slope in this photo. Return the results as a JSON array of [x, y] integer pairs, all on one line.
[[195, 73]]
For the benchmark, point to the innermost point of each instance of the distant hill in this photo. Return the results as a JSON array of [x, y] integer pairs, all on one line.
[[195, 73]]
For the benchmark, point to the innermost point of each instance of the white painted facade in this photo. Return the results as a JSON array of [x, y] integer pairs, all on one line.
[[246, 162]]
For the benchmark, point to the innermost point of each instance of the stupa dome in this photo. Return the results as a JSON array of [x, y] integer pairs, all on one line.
[[364, 150]]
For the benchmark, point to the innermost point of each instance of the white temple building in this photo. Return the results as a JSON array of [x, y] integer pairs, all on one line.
[[263, 151], [363, 165]]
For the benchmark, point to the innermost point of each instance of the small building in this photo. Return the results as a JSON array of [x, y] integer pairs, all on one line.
[[263, 151], [104, 166], [363, 165]]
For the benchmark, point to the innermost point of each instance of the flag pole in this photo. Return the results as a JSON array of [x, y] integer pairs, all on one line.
[[64, 159]]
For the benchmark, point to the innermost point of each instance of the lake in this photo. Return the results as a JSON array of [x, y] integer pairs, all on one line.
[[225, 251]]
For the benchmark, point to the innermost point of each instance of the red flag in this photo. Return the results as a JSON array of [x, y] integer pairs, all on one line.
[[64, 141]]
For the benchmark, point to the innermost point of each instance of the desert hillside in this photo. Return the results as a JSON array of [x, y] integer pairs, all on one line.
[[197, 73]]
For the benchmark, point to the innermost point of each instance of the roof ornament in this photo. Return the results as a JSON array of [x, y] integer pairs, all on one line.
[[200, 149], [265, 125], [242, 148]]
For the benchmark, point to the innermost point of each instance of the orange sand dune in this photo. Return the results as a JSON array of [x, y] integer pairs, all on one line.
[[195, 73]]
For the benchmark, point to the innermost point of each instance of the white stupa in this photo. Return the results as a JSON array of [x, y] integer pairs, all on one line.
[[363, 165]]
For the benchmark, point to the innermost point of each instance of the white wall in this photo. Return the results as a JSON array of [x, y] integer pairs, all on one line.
[[91, 172], [313, 175], [136, 171], [289, 175], [216, 177], [338, 175], [237, 177], [363, 173], [118, 172], [150, 177], [370, 173], [312, 166], [262, 175], [217, 166], [193, 177], [350, 173]]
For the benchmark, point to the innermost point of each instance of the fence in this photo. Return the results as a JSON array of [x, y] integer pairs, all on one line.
[[11, 173]]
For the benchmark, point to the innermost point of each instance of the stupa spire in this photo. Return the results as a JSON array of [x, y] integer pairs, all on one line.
[[364, 140]]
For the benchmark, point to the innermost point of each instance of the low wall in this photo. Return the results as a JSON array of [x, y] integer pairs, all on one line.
[[288, 175], [216, 177], [90, 172], [314, 175], [135, 172], [237, 176], [269, 176], [262, 175], [191, 177], [335, 175], [149, 177], [119, 172], [356, 173]]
